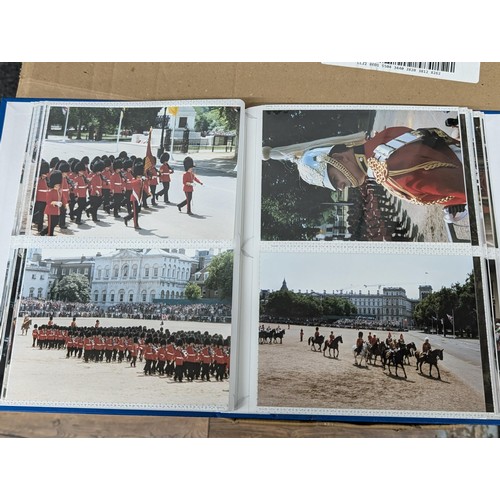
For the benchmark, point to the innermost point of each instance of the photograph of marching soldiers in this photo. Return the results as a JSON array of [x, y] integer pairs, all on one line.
[[363, 175], [131, 326], [368, 331], [158, 171]]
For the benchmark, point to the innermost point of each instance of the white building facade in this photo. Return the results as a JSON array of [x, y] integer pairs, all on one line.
[[36, 281], [140, 276]]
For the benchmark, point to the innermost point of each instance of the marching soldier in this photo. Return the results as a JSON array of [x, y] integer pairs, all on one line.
[[42, 190], [165, 171], [54, 203], [188, 180], [136, 189]]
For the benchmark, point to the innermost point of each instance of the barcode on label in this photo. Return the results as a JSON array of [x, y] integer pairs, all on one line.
[[448, 67], [454, 71]]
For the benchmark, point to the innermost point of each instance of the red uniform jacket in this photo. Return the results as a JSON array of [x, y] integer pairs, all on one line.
[[165, 172], [56, 196], [95, 187], [81, 186], [117, 183], [41, 190], [420, 173], [187, 180], [136, 186]]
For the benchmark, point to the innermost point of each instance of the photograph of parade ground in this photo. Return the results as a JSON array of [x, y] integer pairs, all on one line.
[[363, 175], [123, 327], [370, 332], [166, 171]]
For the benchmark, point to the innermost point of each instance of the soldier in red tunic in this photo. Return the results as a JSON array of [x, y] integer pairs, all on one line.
[[42, 190], [136, 187], [81, 188], [188, 180], [54, 203], [165, 171], [117, 183], [179, 361]]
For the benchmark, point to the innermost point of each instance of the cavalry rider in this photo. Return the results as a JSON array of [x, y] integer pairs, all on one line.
[[331, 338], [316, 333], [426, 347], [359, 343]]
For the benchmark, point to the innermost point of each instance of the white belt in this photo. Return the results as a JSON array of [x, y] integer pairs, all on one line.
[[383, 151]]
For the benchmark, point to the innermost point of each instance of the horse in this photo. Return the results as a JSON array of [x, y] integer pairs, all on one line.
[[278, 334], [363, 354], [396, 358], [333, 345], [316, 340], [375, 350], [264, 335], [26, 325], [411, 351], [432, 359]]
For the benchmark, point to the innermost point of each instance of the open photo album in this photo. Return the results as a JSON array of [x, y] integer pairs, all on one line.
[[283, 261]]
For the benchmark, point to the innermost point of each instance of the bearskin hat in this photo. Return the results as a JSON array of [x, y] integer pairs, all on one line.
[[63, 166], [188, 163], [44, 168], [55, 178], [164, 157]]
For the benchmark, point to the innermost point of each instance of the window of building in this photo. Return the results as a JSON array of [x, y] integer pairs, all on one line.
[[153, 296], [182, 122], [96, 297], [112, 297], [31, 293], [86, 271], [106, 272], [33, 276], [99, 272], [125, 271], [134, 271], [115, 272], [42, 277], [146, 272], [131, 297], [144, 296], [155, 272], [39, 293], [121, 295], [104, 296]]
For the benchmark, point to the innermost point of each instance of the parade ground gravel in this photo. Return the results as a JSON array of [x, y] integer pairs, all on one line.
[[292, 375], [47, 376]]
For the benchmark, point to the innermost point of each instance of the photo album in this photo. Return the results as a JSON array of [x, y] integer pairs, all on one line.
[[324, 262]]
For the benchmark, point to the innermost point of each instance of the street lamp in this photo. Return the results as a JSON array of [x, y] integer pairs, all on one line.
[[161, 149]]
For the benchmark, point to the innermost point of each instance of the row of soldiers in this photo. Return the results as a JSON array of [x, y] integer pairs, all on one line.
[[75, 187], [180, 355]]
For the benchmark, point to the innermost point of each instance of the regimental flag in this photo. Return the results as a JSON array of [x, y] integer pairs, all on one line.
[[450, 317], [173, 110], [149, 161], [64, 111]]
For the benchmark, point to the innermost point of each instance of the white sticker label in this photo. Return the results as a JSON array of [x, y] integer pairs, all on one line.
[[454, 71]]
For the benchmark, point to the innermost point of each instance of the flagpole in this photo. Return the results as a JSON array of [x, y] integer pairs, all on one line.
[[172, 140], [66, 125], [119, 130]]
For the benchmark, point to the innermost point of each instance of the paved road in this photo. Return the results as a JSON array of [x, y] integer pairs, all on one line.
[[461, 356]]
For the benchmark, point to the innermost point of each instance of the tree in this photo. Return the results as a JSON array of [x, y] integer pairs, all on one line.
[[72, 288], [192, 291], [220, 274]]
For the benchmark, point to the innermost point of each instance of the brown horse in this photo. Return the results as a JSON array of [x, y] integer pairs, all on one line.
[[333, 346], [431, 358], [316, 340]]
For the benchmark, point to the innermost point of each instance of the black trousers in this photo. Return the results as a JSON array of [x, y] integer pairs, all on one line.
[[187, 201], [164, 191], [38, 211]]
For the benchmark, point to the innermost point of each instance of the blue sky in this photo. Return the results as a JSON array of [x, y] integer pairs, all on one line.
[[322, 271]]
